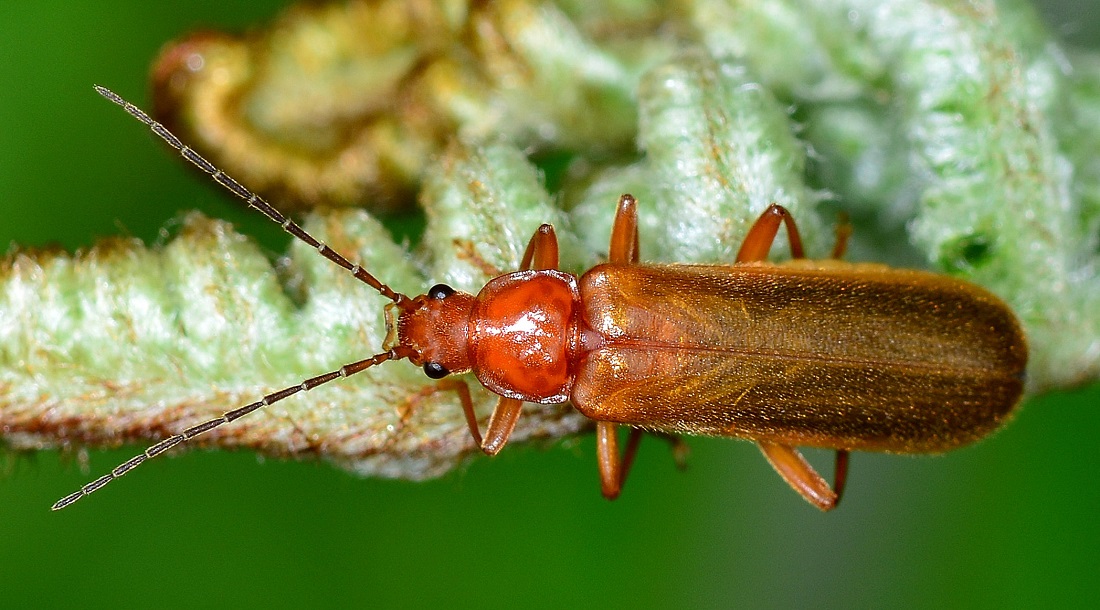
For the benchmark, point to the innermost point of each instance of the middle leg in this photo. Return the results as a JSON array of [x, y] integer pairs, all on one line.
[[614, 467], [762, 234]]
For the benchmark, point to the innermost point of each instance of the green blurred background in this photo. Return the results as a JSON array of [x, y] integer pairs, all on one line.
[[1014, 521]]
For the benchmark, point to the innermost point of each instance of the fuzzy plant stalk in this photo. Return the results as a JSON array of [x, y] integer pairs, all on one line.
[[957, 136]]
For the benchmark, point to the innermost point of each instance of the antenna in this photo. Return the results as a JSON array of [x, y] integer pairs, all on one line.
[[254, 201], [345, 371]]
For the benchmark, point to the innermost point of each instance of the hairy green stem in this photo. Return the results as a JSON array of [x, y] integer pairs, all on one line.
[[957, 135]]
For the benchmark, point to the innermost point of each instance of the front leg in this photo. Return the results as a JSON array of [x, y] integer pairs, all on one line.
[[624, 232], [542, 250], [501, 423]]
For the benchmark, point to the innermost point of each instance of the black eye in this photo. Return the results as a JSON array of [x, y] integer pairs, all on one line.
[[440, 291], [435, 370]]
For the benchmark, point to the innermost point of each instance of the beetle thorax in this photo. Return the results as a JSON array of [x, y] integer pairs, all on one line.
[[523, 335]]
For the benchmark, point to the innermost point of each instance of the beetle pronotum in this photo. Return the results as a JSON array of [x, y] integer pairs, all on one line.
[[806, 353]]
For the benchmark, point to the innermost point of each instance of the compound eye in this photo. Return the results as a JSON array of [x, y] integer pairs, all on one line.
[[440, 292], [435, 370]]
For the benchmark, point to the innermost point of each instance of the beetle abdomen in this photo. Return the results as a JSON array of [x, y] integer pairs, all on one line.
[[815, 353]]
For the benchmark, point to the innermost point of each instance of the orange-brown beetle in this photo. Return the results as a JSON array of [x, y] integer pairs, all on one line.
[[807, 353]]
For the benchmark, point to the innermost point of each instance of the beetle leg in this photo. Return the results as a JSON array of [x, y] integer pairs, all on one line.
[[624, 232], [457, 386], [840, 474], [541, 253], [614, 469], [501, 424], [760, 237], [843, 232], [801, 476], [680, 449], [542, 249], [607, 456], [463, 392]]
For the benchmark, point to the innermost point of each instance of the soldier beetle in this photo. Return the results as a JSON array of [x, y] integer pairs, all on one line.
[[805, 353]]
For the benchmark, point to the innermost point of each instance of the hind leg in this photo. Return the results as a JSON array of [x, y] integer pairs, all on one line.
[[787, 461]]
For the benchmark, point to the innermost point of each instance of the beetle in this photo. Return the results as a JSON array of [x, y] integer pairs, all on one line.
[[804, 353]]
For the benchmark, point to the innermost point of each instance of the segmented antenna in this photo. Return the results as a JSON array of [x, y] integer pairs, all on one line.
[[252, 199], [345, 371]]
